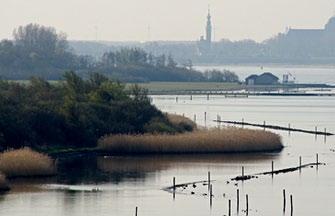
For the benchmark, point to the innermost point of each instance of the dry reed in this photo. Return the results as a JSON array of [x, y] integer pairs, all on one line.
[[229, 140], [26, 163]]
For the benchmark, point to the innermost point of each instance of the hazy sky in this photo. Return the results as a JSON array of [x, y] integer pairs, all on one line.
[[120, 20]]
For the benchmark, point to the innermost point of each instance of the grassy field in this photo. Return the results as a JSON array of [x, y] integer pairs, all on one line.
[[228, 140], [204, 87], [54, 82], [188, 86]]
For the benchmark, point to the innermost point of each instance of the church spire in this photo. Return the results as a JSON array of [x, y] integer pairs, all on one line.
[[209, 26]]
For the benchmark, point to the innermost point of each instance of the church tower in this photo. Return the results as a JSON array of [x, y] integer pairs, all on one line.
[[205, 43], [209, 28]]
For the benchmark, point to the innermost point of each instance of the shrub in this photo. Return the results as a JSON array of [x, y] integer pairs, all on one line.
[[157, 125], [181, 123], [26, 163]]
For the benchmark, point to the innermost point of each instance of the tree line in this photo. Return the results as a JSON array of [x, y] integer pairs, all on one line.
[[42, 52]]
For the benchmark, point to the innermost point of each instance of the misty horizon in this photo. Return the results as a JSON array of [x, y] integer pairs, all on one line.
[[168, 21]]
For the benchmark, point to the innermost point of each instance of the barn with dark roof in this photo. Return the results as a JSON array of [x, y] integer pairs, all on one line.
[[263, 79]]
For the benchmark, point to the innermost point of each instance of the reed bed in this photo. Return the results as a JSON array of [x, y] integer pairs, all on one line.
[[228, 140], [3, 183], [26, 163]]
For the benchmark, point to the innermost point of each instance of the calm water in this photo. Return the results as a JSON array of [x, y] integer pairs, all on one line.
[[303, 74], [128, 182]]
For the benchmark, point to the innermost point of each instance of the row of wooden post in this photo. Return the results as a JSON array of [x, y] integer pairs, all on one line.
[[272, 165], [238, 202], [289, 127], [218, 119], [191, 98], [210, 190]]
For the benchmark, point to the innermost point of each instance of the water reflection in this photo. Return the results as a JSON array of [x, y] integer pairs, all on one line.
[[141, 166], [116, 169], [79, 170]]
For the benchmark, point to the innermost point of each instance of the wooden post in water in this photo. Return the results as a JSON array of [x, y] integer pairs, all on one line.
[[264, 124], [272, 168], [136, 209], [300, 162], [229, 208], [191, 98], [242, 173], [207, 96], [238, 200], [316, 130], [291, 200], [209, 180], [247, 203], [205, 114], [289, 129], [195, 118], [284, 197], [242, 122], [174, 187], [176, 99], [317, 161], [211, 195]]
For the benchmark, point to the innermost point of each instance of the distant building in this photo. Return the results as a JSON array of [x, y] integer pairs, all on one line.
[[263, 79], [205, 43], [313, 36], [250, 80]]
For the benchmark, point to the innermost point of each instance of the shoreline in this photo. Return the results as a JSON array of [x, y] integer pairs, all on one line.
[[102, 153], [214, 88]]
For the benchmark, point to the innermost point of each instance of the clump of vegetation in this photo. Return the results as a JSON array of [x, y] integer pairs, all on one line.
[[225, 76], [181, 123], [26, 163], [170, 124], [227, 140], [76, 112], [3, 183]]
